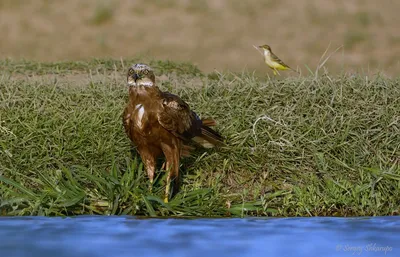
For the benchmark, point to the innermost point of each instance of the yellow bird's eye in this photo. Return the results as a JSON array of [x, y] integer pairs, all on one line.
[[130, 72], [145, 72]]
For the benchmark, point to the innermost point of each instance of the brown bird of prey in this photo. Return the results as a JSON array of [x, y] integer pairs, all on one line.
[[160, 123]]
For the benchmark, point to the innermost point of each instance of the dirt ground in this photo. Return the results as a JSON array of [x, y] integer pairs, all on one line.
[[214, 34]]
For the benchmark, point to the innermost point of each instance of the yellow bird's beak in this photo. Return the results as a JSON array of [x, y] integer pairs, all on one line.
[[259, 49]]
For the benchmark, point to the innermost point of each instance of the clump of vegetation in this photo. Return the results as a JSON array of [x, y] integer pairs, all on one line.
[[354, 37], [103, 13], [303, 146], [364, 19]]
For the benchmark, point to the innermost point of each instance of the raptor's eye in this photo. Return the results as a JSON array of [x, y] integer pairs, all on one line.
[[130, 72], [145, 72]]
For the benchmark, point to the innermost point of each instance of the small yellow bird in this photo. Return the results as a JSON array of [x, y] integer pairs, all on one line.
[[272, 60]]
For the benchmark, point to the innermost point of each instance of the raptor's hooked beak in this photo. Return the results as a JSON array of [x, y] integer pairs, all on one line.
[[132, 79]]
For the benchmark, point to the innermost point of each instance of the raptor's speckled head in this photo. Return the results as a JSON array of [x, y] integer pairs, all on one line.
[[141, 75]]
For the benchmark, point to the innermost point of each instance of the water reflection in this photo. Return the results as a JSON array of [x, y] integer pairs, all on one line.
[[129, 236]]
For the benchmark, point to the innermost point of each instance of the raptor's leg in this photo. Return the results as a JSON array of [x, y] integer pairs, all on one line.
[[168, 183], [149, 161], [172, 154], [174, 173]]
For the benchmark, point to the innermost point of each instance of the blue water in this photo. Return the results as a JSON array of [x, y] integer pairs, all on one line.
[[121, 236]]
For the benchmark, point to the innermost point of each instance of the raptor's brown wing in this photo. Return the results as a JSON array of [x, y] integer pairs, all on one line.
[[176, 117]]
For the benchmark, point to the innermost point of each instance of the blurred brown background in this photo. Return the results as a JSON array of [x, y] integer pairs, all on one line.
[[209, 33]]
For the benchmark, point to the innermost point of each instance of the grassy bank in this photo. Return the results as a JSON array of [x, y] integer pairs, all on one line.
[[298, 146]]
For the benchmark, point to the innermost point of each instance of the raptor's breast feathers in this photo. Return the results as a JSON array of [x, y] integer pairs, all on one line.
[[177, 118]]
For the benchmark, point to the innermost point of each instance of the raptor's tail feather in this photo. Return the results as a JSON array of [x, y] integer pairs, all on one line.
[[209, 138], [208, 122]]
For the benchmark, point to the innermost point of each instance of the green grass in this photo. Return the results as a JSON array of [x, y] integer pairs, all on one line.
[[103, 13], [94, 66], [301, 146], [354, 37]]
